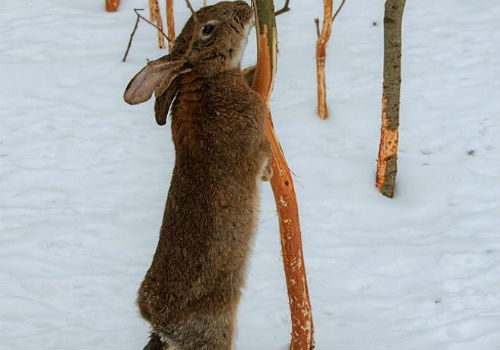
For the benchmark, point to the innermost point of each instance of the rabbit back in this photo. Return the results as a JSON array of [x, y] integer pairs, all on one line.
[[211, 212]]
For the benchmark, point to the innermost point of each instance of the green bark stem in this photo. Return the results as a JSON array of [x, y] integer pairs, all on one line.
[[389, 139], [393, 20]]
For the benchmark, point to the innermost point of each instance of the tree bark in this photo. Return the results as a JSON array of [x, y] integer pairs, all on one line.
[[321, 57], [112, 5], [282, 185], [389, 138], [155, 17], [170, 23]]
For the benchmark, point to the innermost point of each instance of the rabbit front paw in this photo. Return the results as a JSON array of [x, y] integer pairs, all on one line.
[[267, 171]]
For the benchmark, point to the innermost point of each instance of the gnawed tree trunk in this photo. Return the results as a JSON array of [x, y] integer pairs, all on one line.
[[112, 5], [155, 17], [321, 56], [389, 139], [282, 185], [170, 23]]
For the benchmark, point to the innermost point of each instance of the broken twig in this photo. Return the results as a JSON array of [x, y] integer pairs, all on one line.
[[284, 9], [316, 20]]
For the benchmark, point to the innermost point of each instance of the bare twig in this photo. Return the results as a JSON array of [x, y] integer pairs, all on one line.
[[188, 4], [316, 20], [148, 21], [139, 16], [131, 36], [284, 9], [338, 10]]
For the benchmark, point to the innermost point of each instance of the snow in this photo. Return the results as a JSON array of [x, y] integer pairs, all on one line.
[[84, 178]]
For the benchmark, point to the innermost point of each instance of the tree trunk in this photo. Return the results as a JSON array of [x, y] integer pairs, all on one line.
[[389, 138], [112, 5], [170, 23], [282, 185], [321, 57]]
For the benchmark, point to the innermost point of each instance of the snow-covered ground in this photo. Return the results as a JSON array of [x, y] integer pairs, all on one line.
[[84, 177]]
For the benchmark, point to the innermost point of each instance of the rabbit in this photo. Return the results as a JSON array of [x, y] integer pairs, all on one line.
[[191, 291]]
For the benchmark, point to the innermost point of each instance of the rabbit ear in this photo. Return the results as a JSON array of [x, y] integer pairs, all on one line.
[[157, 75], [162, 103]]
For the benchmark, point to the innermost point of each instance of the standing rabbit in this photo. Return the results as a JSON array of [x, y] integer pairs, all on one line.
[[191, 291]]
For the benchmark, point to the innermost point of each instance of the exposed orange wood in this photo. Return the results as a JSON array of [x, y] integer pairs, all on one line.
[[112, 5], [388, 148], [154, 11], [151, 13], [284, 195], [170, 23], [321, 44]]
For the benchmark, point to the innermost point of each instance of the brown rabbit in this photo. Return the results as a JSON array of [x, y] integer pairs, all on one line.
[[191, 291]]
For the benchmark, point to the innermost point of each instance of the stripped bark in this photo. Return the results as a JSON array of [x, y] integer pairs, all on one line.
[[170, 23], [112, 5], [282, 185], [321, 56], [389, 138], [155, 16], [151, 7]]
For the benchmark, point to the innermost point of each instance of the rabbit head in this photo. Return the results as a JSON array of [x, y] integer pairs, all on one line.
[[211, 42]]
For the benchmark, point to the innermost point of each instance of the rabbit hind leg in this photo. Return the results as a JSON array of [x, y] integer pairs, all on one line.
[[205, 333]]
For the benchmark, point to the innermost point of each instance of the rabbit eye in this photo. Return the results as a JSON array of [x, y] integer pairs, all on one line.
[[207, 29]]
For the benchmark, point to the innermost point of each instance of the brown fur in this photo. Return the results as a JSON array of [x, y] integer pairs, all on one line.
[[191, 291]]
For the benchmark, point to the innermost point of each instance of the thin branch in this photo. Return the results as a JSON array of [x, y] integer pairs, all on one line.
[[139, 16], [284, 9], [316, 20], [154, 25], [131, 37], [188, 4], [338, 10]]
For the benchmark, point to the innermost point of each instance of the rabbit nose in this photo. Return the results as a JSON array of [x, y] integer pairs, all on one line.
[[243, 10], [241, 5]]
